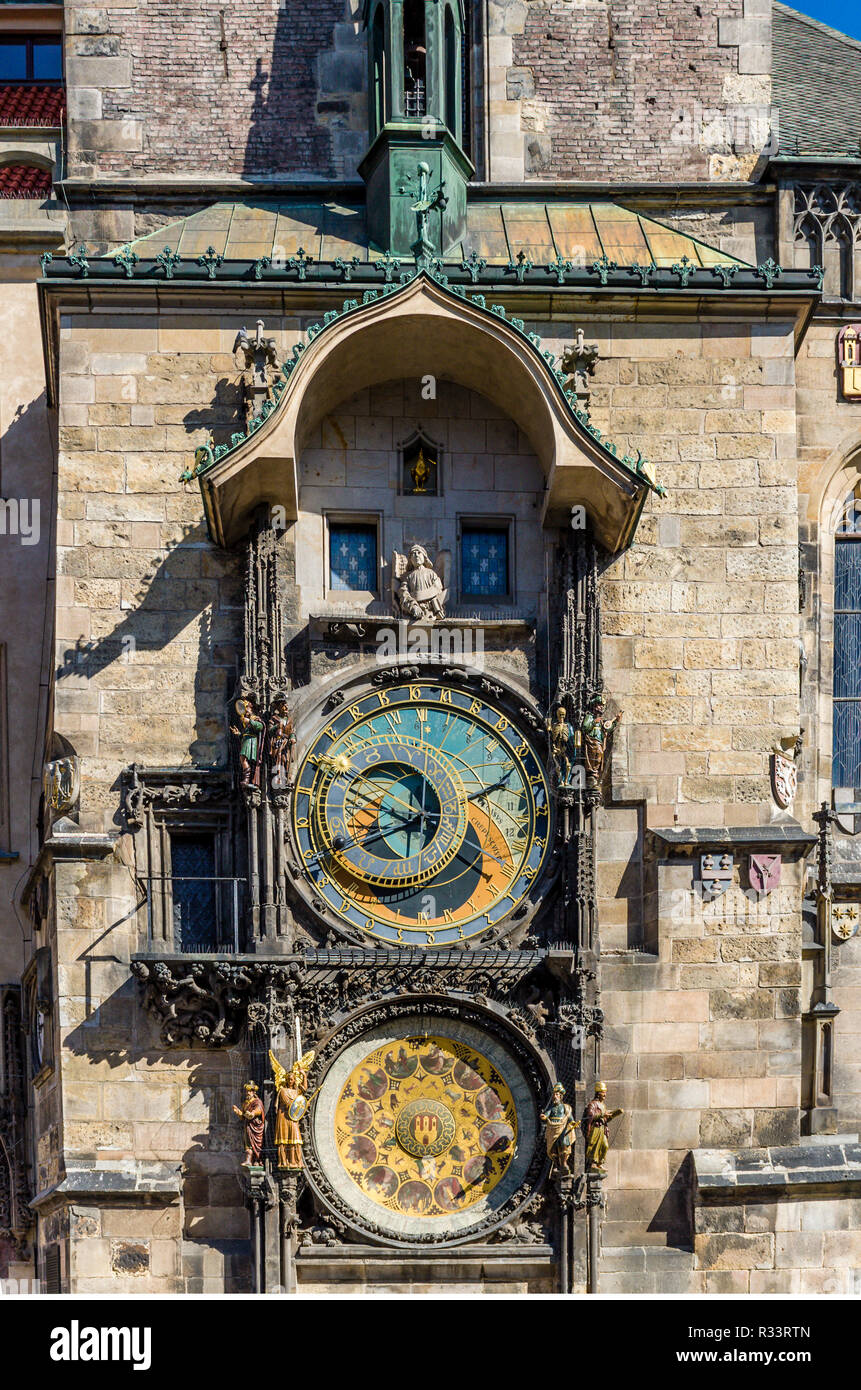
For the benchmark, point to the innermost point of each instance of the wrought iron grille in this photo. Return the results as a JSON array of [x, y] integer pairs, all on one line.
[[414, 96], [846, 753], [201, 909]]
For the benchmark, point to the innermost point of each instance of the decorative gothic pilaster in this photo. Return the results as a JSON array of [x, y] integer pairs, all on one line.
[[14, 1184], [578, 680], [819, 1021], [264, 732]]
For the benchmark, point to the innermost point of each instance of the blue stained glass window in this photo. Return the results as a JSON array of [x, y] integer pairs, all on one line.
[[352, 556], [846, 761], [484, 562]]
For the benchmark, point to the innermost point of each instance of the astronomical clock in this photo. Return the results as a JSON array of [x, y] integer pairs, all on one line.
[[421, 815], [421, 832], [416, 971]]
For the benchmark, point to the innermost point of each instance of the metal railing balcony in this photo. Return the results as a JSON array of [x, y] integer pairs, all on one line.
[[195, 915]]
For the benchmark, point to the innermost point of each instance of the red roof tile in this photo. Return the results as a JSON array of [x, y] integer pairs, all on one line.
[[43, 106], [24, 181]]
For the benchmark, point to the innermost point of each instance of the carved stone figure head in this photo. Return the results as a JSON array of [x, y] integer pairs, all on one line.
[[418, 557]]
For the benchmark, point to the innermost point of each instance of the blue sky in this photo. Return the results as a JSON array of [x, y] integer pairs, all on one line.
[[844, 15]]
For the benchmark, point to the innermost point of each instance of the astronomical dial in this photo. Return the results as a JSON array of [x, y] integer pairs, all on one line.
[[421, 814]]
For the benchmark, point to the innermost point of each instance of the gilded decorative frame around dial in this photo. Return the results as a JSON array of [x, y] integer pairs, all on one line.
[[421, 813]]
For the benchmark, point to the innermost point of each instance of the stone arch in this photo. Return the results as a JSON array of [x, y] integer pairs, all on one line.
[[424, 329]]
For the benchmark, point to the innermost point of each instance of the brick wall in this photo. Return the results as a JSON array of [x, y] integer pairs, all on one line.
[[152, 90]]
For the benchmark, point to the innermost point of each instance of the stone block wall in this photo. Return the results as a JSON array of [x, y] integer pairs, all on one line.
[[700, 615], [702, 1046], [488, 470], [808, 1246], [26, 465], [149, 1131]]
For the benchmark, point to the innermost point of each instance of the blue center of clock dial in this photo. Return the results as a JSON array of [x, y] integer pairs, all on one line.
[[395, 812]]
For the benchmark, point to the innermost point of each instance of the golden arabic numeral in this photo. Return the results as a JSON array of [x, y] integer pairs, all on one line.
[[445, 697], [475, 707], [302, 823], [308, 854], [383, 698], [430, 938], [521, 750], [331, 732], [356, 711], [540, 844], [535, 782], [530, 872], [415, 692], [501, 724], [369, 924]]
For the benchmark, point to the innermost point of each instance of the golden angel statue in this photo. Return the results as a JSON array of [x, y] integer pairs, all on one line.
[[419, 588], [291, 1104]]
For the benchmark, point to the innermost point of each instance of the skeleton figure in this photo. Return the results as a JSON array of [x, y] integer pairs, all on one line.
[[419, 589]]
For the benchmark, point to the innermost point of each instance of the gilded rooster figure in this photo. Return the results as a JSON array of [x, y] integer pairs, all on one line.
[[421, 472]]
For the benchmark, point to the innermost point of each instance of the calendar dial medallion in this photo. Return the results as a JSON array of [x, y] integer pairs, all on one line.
[[421, 814]]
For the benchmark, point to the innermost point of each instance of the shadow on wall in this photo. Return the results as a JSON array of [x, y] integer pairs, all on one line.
[[194, 588], [149, 1119], [292, 127]]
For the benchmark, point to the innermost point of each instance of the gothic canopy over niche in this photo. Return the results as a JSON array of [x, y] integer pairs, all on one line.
[[419, 330]]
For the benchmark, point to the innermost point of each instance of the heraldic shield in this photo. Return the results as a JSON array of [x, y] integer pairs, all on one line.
[[764, 871]]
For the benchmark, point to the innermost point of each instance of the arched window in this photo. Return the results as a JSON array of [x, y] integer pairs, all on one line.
[[846, 752]]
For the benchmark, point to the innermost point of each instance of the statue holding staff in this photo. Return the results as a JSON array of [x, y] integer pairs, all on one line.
[[596, 1118]]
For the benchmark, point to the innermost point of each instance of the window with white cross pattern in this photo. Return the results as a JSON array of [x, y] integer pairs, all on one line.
[[353, 555], [484, 561]]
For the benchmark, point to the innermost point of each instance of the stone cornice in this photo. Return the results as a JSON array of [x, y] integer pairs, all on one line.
[[722, 1173]]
